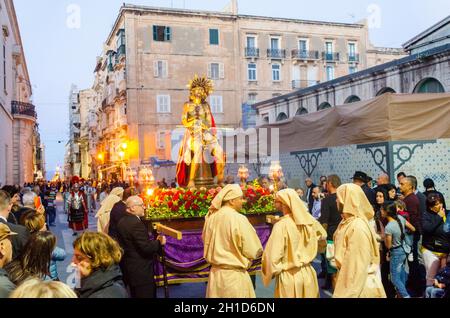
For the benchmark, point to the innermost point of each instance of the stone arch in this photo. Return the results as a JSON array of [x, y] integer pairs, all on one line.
[[352, 99], [301, 111], [282, 116], [385, 90], [324, 105], [429, 85]]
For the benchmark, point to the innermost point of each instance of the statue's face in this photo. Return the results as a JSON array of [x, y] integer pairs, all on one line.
[[198, 93]]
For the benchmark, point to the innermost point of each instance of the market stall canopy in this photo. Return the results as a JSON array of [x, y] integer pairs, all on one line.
[[390, 117]]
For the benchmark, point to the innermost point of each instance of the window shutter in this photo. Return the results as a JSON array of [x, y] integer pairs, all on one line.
[[155, 33], [209, 70], [155, 69], [165, 69], [168, 103], [221, 70], [168, 33]]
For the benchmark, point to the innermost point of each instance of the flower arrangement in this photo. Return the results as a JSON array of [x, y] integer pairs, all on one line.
[[187, 203]]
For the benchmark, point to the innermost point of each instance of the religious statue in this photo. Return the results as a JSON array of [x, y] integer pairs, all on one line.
[[201, 158]]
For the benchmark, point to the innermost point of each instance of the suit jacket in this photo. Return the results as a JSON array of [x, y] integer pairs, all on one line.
[[139, 250], [309, 197], [18, 241], [118, 211]]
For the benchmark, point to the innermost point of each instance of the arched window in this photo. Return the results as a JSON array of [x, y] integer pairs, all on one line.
[[352, 99], [386, 90], [324, 105], [301, 111], [282, 116], [429, 85]]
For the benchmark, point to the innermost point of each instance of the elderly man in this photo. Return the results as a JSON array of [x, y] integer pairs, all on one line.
[[6, 286], [291, 249], [139, 250], [357, 252], [231, 244]]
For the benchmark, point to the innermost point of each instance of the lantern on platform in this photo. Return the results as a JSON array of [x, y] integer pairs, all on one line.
[[276, 173]]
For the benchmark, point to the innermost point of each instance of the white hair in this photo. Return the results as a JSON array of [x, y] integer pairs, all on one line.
[[28, 199]]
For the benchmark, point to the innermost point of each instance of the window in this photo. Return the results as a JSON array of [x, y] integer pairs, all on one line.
[[352, 69], [162, 33], [329, 47], [251, 42], [160, 69], [213, 36], [352, 49], [216, 104], [252, 72], [163, 104], [302, 46], [120, 38], [161, 139], [251, 98], [276, 70], [275, 43], [216, 71], [330, 73]]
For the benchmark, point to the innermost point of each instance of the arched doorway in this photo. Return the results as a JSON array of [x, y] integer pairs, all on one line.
[[386, 90], [324, 105], [282, 116], [429, 85], [352, 99], [301, 111]]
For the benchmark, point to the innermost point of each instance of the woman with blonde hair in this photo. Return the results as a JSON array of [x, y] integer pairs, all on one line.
[[357, 252], [104, 213], [35, 288], [291, 249], [96, 258]]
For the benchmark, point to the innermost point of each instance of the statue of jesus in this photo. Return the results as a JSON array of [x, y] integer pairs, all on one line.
[[201, 158]]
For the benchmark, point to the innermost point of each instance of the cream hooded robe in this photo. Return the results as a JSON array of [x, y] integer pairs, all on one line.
[[357, 251], [290, 250], [231, 244], [104, 213]]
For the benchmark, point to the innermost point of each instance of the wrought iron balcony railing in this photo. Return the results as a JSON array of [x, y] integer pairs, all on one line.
[[305, 55], [251, 52], [332, 57], [276, 53], [353, 58], [23, 109]]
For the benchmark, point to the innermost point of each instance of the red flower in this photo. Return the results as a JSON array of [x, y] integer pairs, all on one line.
[[188, 205], [195, 207]]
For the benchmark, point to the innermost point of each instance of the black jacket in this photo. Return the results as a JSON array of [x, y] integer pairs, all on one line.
[[309, 198], [18, 241], [434, 238], [370, 194], [330, 215], [139, 251], [118, 211], [103, 284], [422, 202]]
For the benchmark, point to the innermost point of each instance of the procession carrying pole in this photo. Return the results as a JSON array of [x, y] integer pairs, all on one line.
[[161, 229]]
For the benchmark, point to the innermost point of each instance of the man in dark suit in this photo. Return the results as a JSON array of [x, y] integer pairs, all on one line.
[[360, 178], [139, 251], [118, 211], [18, 241], [309, 193]]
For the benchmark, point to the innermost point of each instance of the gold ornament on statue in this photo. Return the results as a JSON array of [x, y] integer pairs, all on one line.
[[201, 82]]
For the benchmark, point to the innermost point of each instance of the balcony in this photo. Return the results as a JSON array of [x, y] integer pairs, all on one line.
[[276, 53], [331, 57], [298, 84], [251, 52], [305, 55], [354, 58], [23, 109]]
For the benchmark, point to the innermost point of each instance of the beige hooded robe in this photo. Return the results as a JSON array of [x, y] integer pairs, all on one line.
[[103, 214], [357, 251], [231, 244], [290, 250]]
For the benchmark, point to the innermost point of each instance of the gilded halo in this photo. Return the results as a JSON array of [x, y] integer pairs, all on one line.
[[202, 82]]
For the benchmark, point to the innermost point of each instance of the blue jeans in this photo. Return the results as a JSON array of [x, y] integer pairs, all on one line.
[[434, 292], [398, 273]]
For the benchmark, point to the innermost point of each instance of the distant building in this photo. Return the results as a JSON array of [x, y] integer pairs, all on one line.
[[425, 70], [151, 54], [18, 118]]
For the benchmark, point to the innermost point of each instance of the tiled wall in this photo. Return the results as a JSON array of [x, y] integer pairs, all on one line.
[[432, 160]]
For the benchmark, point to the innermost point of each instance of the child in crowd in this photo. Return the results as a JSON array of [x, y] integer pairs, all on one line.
[[441, 284]]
